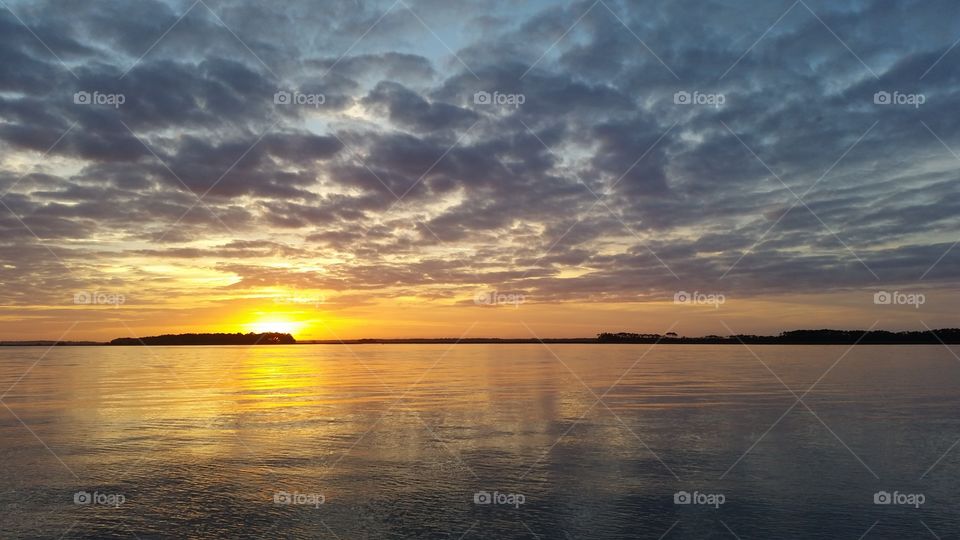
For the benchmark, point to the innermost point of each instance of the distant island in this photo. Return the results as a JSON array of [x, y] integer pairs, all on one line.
[[948, 336], [793, 337], [800, 337], [267, 338]]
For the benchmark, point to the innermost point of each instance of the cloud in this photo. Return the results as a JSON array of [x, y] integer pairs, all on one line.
[[599, 187]]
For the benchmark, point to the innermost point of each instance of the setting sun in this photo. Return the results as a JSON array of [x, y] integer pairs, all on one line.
[[275, 324]]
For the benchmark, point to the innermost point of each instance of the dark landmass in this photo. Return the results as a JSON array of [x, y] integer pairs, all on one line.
[[793, 337], [268, 338], [41, 343], [949, 336], [801, 337], [441, 341]]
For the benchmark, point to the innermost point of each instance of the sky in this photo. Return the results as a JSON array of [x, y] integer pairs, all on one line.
[[426, 168]]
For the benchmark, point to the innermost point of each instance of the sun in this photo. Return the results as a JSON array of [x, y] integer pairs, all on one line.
[[274, 324]]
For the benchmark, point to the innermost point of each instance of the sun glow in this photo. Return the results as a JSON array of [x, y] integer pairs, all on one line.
[[275, 324]]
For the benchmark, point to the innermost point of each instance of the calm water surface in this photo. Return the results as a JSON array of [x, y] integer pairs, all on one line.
[[403, 441]]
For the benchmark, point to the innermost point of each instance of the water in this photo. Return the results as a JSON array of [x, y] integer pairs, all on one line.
[[396, 441]]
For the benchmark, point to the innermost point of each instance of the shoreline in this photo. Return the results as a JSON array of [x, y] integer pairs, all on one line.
[[453, 341]]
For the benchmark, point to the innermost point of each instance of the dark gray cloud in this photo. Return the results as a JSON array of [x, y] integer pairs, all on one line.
[[499, 125]]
